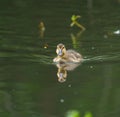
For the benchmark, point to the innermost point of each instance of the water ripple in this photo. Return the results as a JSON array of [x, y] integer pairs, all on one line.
[[102, 58]]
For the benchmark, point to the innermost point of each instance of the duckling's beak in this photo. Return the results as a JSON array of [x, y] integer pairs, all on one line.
[[60, 52]]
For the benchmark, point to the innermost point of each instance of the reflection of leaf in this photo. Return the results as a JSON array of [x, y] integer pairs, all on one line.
[[75, 38], [73, 113], [88, 114]]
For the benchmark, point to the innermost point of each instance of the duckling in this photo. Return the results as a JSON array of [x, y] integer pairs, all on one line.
[[66, 55]]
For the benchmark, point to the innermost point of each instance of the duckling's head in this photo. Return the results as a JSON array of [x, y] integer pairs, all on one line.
[[61, 50]]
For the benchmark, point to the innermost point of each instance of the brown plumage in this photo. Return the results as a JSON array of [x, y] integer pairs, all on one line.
[[64, 55]]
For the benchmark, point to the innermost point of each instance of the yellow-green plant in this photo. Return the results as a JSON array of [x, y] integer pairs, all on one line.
[[75, 22]]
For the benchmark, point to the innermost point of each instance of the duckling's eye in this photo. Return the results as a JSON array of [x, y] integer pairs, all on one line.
[[63, 47]]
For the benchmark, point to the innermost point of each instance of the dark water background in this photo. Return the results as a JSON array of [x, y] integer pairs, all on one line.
[[29, 85]]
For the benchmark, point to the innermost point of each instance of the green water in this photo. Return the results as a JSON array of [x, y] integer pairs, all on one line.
[[29, 84]]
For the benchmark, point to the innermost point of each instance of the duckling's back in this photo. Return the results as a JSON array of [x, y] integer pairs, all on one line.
[[73, 56]]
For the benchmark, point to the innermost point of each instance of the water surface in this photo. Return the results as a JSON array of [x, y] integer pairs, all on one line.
[[29, 84]]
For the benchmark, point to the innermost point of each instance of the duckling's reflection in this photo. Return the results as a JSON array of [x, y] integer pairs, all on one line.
[[63, 68]]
